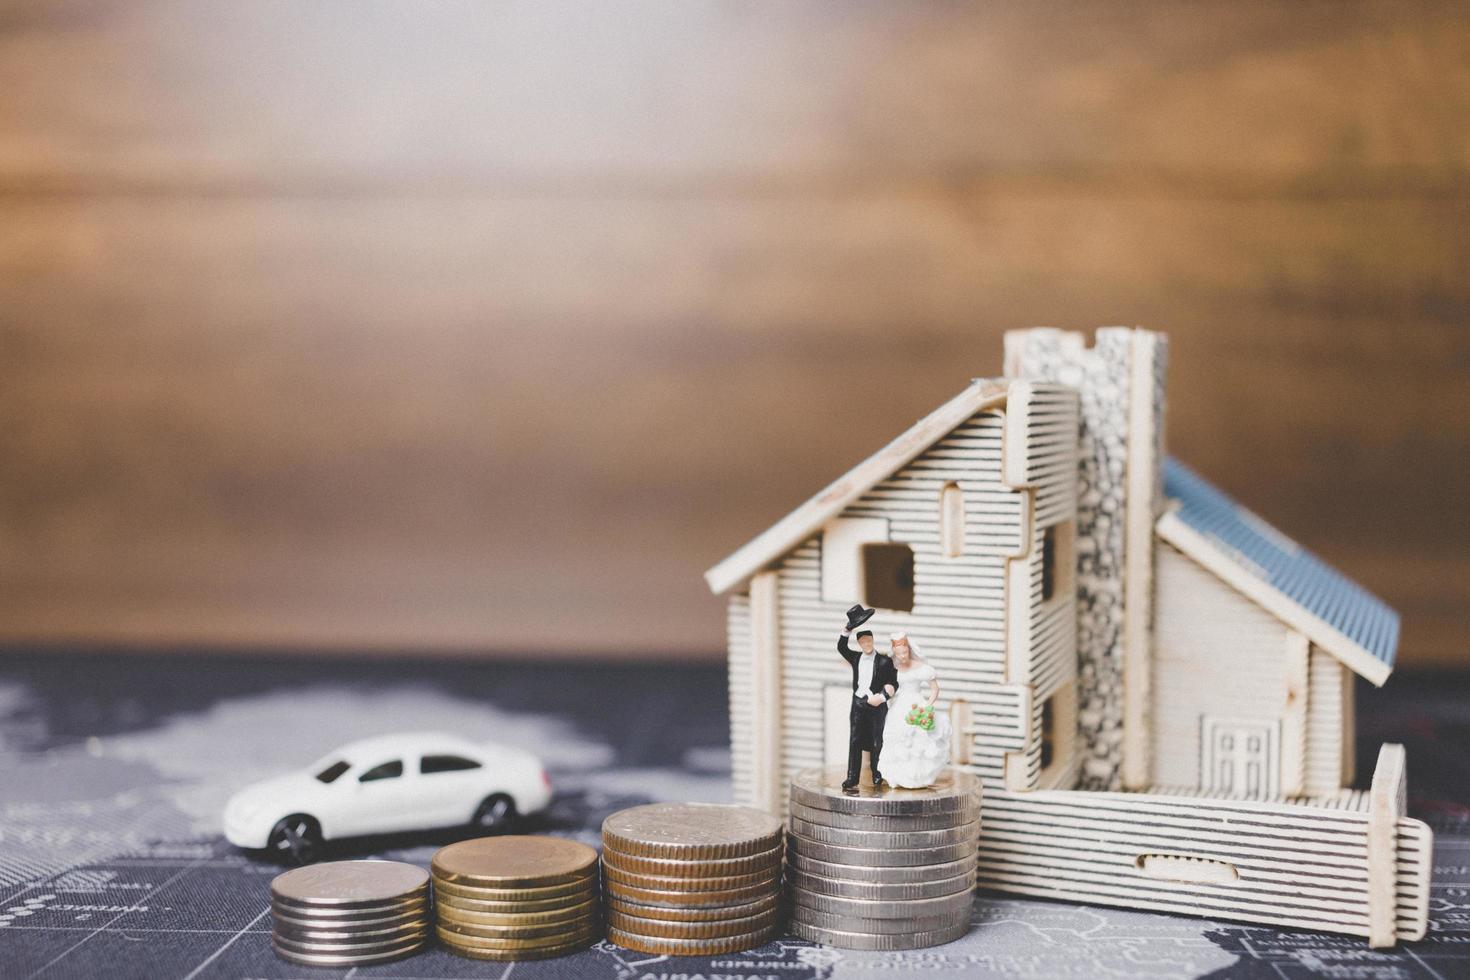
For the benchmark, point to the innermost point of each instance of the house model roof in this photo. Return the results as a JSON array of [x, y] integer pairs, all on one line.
[[807, 519], [1293, 584], [1250, 555]]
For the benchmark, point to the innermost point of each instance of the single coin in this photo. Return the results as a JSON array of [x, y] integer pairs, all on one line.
[[451, 913], [510, 944], [899, 891], [879, 857], [881, 874], [345, 959], [587, 886], [716, 913], [691, 831], [903, 823], [822, 789], [367, 948], [878, 941], [299, 934], [414, 913], [847, 923], [884, 839], [349, 884], [684, 868], [690, 884], [634, 925], [958, 904], [514, 862], [689, 947], [473, 932], [514, 906], [517, 955], [732, 896]]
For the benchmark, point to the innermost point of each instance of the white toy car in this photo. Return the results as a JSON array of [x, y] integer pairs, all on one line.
[[384, 785]]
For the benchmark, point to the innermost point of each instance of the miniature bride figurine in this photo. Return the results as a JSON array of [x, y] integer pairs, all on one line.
[[915, 736]]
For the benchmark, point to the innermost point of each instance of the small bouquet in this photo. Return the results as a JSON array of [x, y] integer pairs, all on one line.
[[921, 716]]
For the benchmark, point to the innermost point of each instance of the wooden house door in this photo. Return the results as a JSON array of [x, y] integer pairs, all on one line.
[[1240, 758]]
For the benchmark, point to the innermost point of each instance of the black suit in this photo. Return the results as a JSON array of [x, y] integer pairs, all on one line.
[[865, 722]]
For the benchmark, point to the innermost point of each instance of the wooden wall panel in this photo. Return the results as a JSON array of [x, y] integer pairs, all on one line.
[[491, 328], [278, 94]]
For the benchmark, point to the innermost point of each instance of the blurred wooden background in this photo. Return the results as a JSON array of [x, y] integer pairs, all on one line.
[[489, 327]]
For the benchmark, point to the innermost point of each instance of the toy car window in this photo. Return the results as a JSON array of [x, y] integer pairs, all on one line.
[[446, 763], [388, 770], [336, 769]]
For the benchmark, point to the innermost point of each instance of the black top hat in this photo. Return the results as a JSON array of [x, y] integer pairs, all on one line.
[[857, 616]]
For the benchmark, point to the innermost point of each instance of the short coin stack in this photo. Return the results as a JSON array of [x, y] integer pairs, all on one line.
[[349, 913], [516, 898], [883, 870], [691, 879]]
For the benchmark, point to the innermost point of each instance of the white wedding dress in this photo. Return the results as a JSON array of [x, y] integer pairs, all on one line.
[[912, 757]]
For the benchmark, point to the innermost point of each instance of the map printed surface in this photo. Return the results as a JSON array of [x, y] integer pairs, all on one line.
[[114, 773]]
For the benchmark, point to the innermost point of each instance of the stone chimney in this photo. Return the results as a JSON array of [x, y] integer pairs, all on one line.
[[1119, 496]]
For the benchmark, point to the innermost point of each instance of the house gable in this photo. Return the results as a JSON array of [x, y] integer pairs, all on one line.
[[1275, 572], [807, 519]]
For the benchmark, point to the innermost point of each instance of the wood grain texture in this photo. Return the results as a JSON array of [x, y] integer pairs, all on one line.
[[477, 327]]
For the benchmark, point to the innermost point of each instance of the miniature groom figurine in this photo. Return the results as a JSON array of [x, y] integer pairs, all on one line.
[[874, 680]]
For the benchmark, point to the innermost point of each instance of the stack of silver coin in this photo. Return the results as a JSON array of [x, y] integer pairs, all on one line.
[[349, 913], [884, 869], [691, 879]]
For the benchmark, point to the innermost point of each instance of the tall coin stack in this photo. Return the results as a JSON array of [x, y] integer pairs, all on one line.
[[349, 913], [516, 898], [883, 870], [691, 879]]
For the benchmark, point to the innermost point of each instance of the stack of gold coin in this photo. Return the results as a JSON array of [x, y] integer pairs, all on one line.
[[884, 869], [349, 913], [516, 898], [691, 879]]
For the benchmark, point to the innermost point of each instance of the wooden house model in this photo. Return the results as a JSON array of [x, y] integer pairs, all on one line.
[[1155, 685]]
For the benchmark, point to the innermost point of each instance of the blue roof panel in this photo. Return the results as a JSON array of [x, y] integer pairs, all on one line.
[[1286, 566]]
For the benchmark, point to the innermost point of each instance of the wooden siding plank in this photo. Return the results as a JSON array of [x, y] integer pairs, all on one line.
[[1328, 734], [764, 679], [1296, 658], [741, 664], [1142, 505], [1387, 796]]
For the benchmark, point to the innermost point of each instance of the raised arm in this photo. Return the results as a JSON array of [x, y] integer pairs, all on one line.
[[848, 653]]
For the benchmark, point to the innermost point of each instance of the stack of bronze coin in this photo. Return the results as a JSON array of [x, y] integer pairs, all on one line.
[[884, 869], [691, 879], [349, 913], [516, 898]]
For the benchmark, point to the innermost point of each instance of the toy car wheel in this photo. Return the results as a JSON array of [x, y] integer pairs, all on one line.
[[497, 812], [295, 839]]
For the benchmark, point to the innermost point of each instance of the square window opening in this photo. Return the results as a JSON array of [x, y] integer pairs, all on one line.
[[888, 576]]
